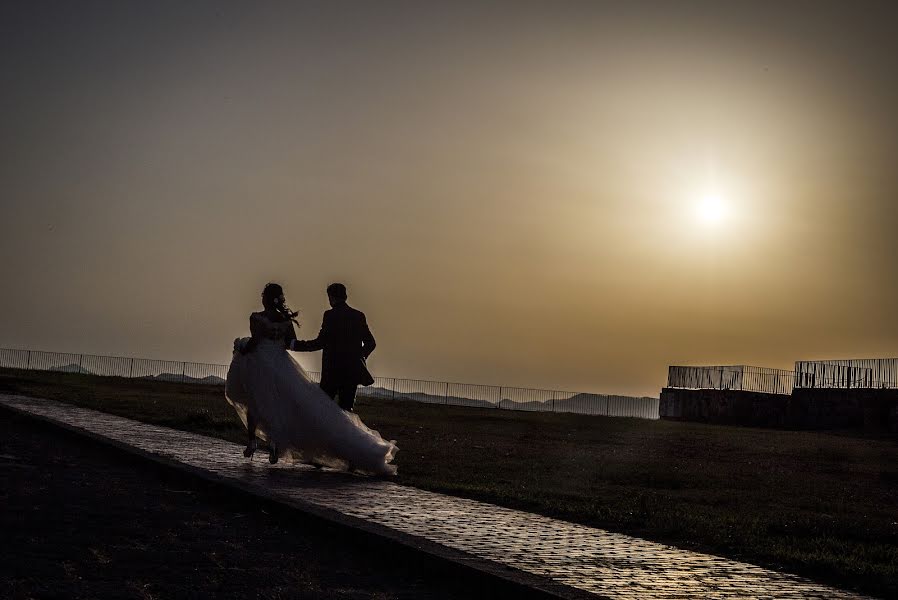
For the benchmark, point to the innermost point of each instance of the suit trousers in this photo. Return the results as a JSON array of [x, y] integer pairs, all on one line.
[[343, 393]]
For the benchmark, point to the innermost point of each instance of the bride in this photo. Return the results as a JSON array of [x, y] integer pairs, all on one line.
[[278, 402]]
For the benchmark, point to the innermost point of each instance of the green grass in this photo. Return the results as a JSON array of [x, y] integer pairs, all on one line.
[[820, 504]]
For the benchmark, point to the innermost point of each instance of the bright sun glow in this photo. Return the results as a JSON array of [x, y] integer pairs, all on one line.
[[711, 209]]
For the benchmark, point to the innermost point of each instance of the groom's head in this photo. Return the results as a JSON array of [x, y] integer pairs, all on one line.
[[336, 294]]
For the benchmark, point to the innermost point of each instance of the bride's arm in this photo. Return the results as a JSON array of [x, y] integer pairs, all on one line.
[[255, 332]]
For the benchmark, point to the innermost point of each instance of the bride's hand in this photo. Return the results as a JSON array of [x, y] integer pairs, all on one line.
[[243, 345]]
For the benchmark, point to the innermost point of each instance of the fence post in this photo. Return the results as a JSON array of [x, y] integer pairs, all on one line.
[[554, 395], [499, 404], [183, 371], [394, 388], [28, 365], [80, 359], [446, 397], [131, 370]]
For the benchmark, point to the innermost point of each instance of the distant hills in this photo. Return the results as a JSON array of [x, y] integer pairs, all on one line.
[[174, 377], [583, 403], [178, 378]]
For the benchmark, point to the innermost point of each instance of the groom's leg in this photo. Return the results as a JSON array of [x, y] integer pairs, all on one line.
[[329, 388], [346, 396]]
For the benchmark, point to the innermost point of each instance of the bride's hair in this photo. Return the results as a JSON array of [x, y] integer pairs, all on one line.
[[272, 296]]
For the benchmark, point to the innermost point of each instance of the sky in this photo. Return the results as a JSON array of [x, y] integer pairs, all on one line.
[[568, 195]]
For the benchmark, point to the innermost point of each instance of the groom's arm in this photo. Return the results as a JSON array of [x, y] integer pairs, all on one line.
[[368, 342], [312, 345]]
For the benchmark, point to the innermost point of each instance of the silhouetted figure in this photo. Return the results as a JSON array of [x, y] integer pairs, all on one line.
[[274, 323], [346, 342]]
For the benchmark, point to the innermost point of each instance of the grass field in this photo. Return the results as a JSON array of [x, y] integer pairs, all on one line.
[[820, 504]]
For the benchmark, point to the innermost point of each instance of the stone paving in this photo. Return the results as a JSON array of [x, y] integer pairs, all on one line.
[[573, 560]]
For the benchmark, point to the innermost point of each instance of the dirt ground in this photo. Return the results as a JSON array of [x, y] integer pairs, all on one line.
[[83, 521]]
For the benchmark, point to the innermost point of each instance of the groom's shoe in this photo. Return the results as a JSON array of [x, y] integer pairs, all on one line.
[[273, 455]]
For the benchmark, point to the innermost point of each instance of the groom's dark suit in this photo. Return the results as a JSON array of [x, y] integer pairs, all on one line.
[[346, 342]]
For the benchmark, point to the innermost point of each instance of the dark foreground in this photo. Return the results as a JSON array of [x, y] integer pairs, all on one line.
[[81, 520], [816, 503]]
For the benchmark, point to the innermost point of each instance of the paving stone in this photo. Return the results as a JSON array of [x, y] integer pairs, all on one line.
[[585, 559]]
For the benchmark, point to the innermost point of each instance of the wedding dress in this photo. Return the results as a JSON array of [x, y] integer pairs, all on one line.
[[293, 413]]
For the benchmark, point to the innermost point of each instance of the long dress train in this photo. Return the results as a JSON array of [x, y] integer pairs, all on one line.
[[295, 414]]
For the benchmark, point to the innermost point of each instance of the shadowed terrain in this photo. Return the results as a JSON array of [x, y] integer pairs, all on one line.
[[83, 520], [819, 504]]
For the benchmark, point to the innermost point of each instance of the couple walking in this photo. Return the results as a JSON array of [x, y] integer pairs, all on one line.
[[278, 402]]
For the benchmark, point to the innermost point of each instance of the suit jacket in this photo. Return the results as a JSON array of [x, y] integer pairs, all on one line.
[[346, 341]]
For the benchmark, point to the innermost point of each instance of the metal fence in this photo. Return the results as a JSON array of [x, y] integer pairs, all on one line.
[[732, 377], [853, 373], [834, 374], [393, 388]]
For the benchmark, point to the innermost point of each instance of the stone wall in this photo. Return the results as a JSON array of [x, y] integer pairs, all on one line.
[[869, 409], [734, 407]]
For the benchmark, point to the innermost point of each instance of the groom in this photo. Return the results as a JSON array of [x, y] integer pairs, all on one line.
[[347, 342]]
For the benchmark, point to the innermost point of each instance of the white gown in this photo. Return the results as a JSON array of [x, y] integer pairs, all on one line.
[[294, 413]]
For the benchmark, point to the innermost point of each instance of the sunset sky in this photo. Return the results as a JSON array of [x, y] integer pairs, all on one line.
[[570, 195]]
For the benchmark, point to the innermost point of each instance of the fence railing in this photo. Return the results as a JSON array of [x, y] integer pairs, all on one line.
[[418, 390], [732, 377], [853, 373], [835, 374]]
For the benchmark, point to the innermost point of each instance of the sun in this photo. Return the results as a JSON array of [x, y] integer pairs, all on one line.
[[711, 209]]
